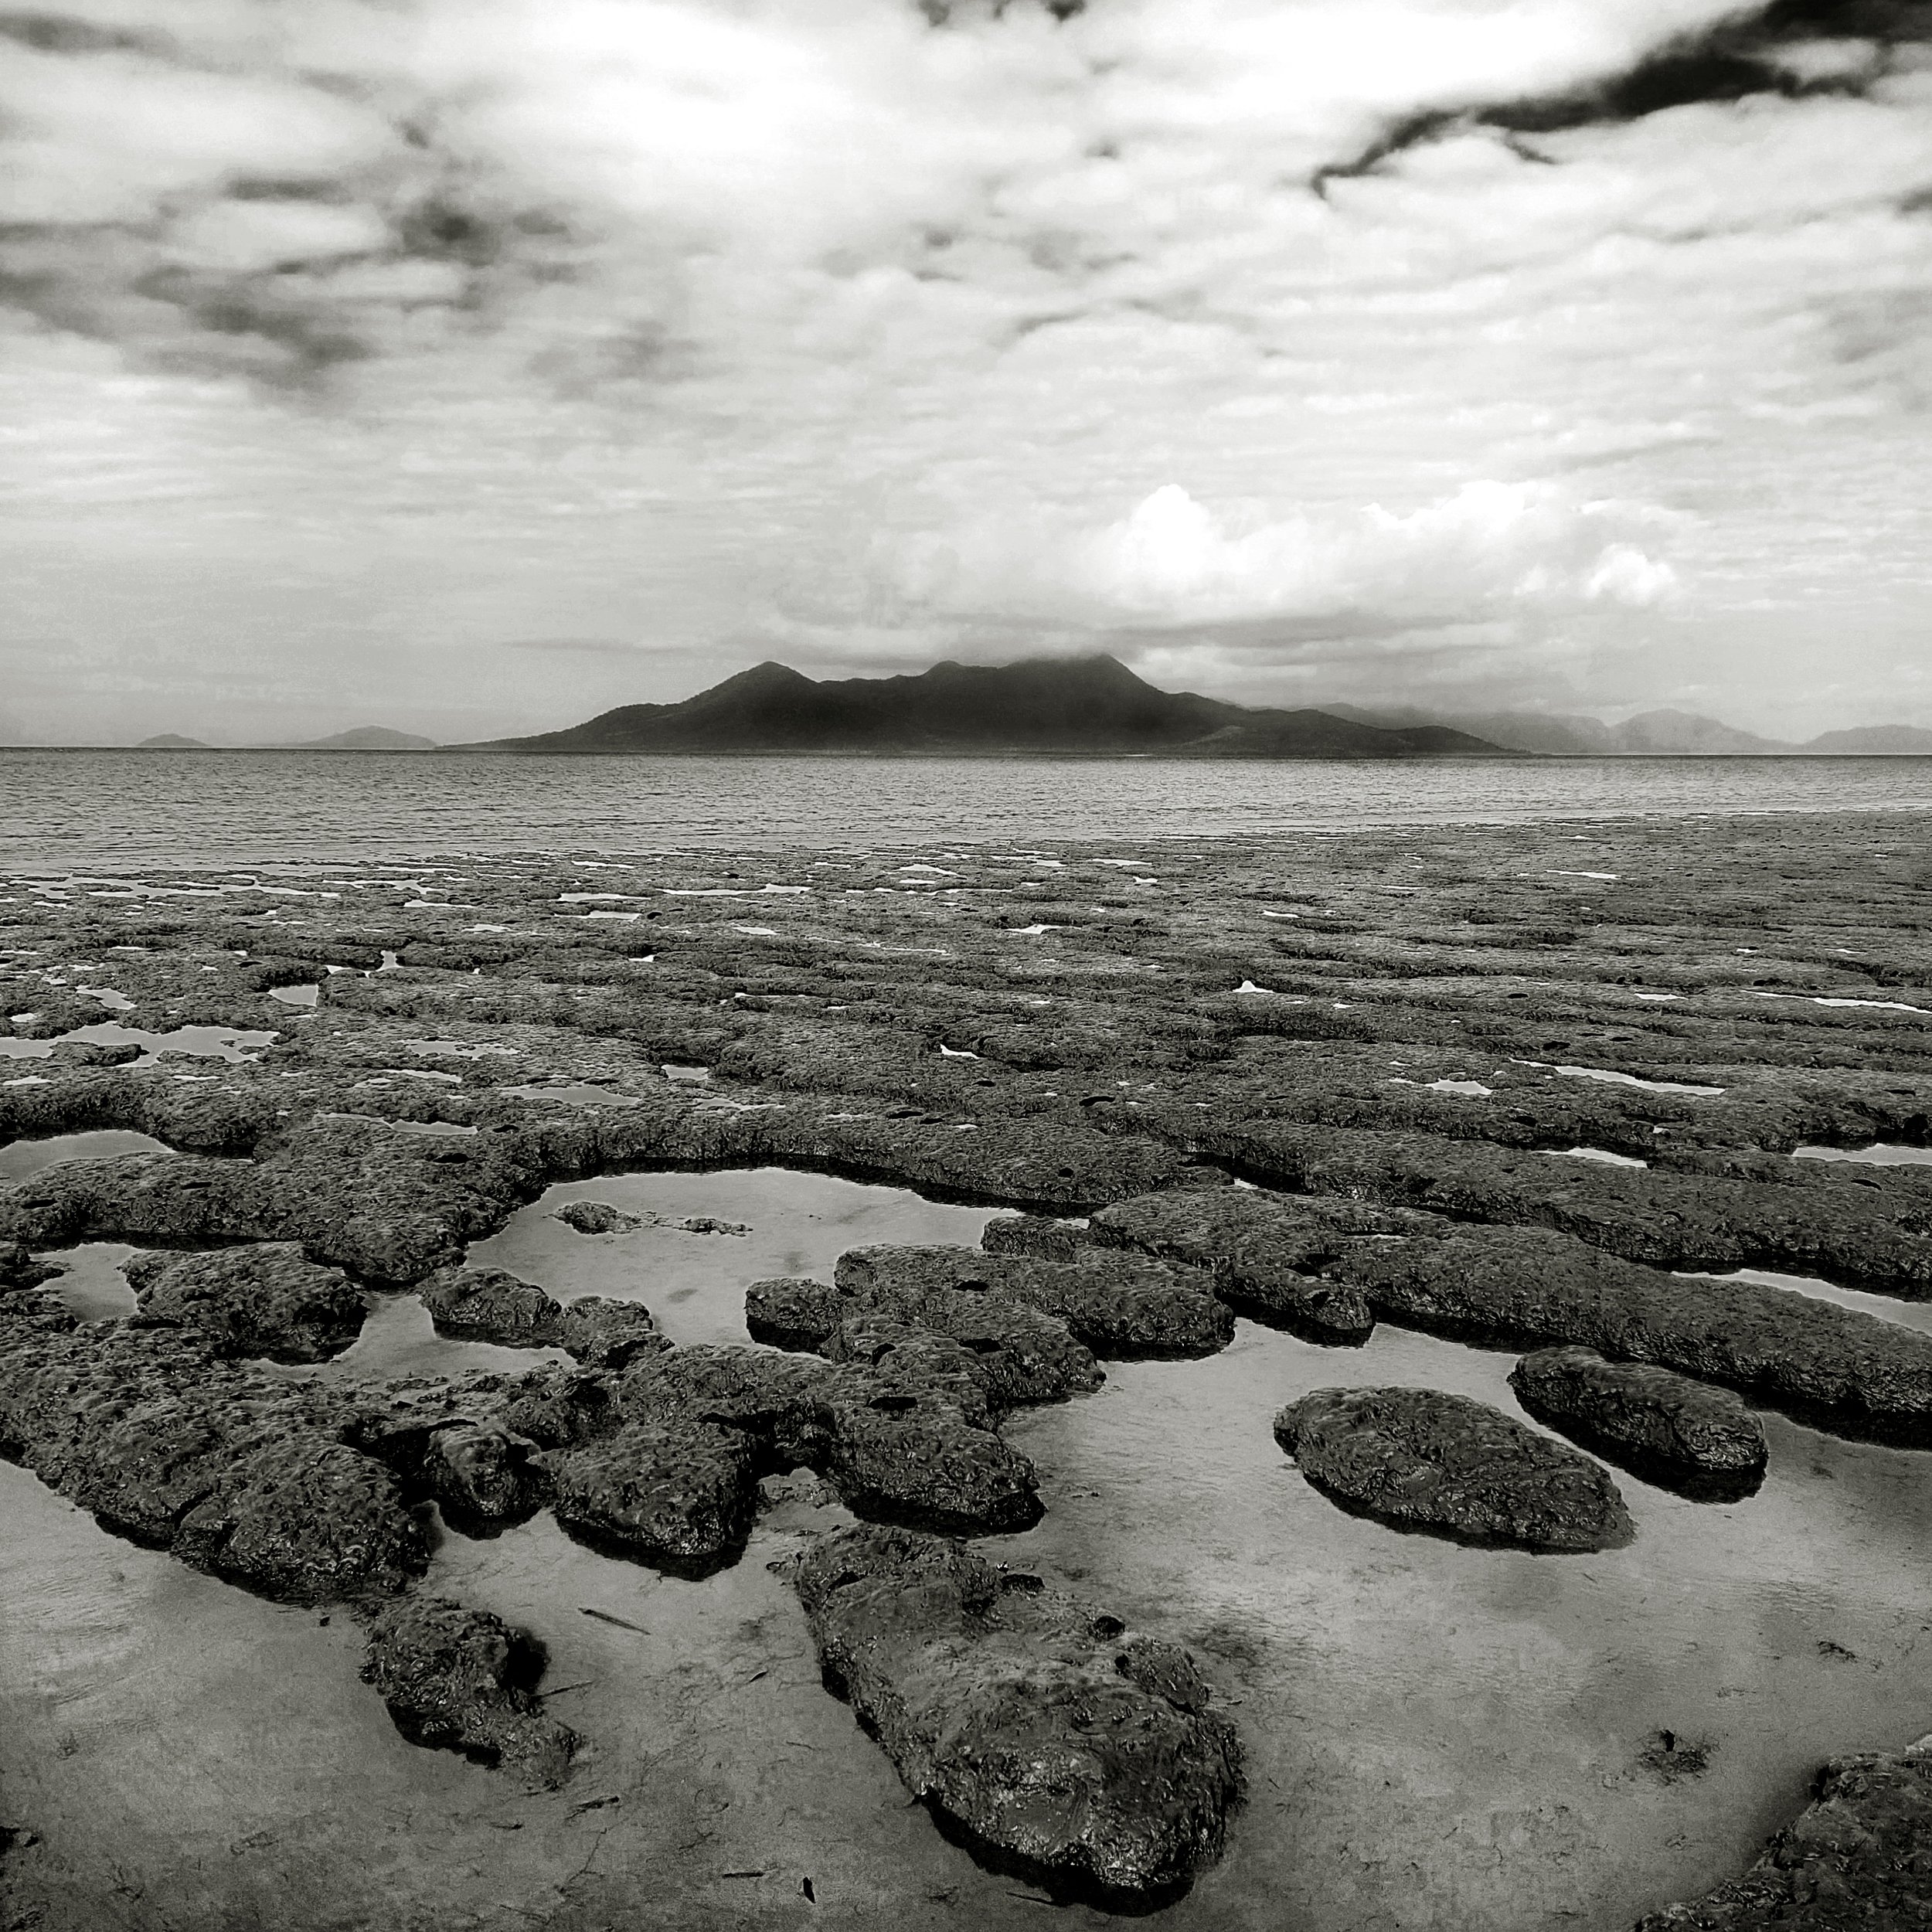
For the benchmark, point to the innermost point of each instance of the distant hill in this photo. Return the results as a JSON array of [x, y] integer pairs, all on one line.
[[1651, 734], [368, 738], [172, 741], [1092, 707]]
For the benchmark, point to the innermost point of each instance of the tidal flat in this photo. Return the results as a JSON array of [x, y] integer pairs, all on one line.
[[701, 1389]]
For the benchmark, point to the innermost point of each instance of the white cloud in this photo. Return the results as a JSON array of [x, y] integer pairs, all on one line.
[[1172, 561]]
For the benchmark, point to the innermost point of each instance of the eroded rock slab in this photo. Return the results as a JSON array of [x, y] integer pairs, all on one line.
[[265, 1299], [1858, 1859], [491, 1304], [463, 1680], [1053, 1742], [1682, 1434], [1419, 1459]]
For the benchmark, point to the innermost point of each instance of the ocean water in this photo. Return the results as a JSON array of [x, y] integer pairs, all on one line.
[[110, 810]]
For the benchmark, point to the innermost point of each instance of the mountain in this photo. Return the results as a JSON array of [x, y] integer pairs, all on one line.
[[368, 738], [172, 741], [1653, 734], [1093, 707], [1873, 741]]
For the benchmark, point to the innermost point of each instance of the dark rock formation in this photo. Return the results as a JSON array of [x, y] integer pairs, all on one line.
[[1266, 1265], [794, 1311], [603, 1333], [1683, 1435], [19, 1270], [1841, 1368], [1419, 1459], [1116, 1304], [1051, 1742], [264, 1300], [462, 1680], [1855, 1860], [595, 1217], [491, 1304]]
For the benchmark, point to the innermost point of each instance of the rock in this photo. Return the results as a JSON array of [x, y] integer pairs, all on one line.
[[595, 1217], [1857, 1857], [1419, 1459], [1680, 1434], [19, 1270], [1052, 1744], [1027, 1357], [1116, 1304], [462, 1680], [491, 1304], [1837, 1367], [1266, 1258], [678, 1495], [247, 1477], [263, 1299], [794, 1312], [603, 1333]]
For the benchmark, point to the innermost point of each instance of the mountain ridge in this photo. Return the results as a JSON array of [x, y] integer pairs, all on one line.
[[1090, 706], [1662, 733]]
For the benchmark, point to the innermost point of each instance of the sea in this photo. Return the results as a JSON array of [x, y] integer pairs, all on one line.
[[112, 811]]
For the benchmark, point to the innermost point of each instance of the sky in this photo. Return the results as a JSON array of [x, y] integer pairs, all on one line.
[[471, 366]]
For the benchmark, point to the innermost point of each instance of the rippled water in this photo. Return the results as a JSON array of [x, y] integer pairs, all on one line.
[[108, 810]]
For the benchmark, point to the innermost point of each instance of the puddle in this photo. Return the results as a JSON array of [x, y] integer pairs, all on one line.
[[1628, 1079], [1601, 1154], [1436, 1738], [694, 1284], [398, 1338], [231, 1043], [22, 1157], [308, 995], [1880, 1153], [1905, 1315], [574, 1093], [92, 1285]]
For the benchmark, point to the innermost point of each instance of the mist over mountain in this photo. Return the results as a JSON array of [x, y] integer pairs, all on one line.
[[1091, 706], [369, 738], [1661, 733]]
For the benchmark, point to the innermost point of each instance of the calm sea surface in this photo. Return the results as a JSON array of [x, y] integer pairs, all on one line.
[[110, 810]]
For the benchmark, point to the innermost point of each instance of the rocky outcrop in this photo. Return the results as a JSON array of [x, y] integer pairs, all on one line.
[[491, 1304], [604, 1333], [1037, 1729], [1419, 1459], [463, 1680], [1683, 1435], [246, 1476], [1267, 1261], [1858, 1857], [1115, 1304], [1837, 1367], [263, 1300]]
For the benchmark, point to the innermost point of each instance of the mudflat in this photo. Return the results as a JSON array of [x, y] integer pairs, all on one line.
[[496, 1348]]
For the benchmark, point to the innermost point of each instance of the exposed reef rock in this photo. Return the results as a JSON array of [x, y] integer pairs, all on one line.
[[245, 1476], [263, 1300], [1419, 1459], [1115, 1304], [602, 1333], [1679, 1433], [1855, 1859], [491, 1304], [462, 1680], [1266, 1264], [1051, 1742]]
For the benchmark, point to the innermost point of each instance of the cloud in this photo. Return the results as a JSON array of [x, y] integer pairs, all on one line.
[[1489, 547], [415, 325]]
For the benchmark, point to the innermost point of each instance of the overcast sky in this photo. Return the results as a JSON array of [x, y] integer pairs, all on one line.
[[473, 365]]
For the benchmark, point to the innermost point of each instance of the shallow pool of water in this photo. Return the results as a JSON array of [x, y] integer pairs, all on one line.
[[19, 1158], [1439, 1739], [1880, 1153]]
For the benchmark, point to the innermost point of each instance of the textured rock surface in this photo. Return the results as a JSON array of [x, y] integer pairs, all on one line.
[[1116, 1304], [1858, 1859], [1084, 1758], [491, 1304], [1266, 1265], [606, 1334], [462, 1680], [1419, 1459], [1683, 1434], [263, 1299]]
